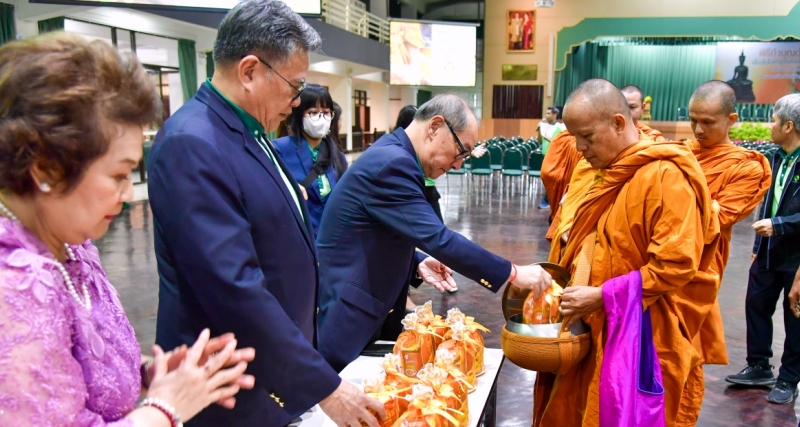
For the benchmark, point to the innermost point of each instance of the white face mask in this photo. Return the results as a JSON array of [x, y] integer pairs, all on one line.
[[316, 128]]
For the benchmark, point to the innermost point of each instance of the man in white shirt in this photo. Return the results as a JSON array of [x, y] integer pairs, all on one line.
[[548, 128]]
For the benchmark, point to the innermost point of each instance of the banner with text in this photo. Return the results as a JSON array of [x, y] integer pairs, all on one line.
[[759, 72]]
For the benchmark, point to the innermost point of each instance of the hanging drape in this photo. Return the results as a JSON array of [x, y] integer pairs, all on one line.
[[669, 74], [52, 24], [209, 64], [423, 96], [187, 61], [8, 28]]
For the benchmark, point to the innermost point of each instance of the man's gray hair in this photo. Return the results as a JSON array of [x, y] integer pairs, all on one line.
[[788, 110], [454, 109], [267, 28]]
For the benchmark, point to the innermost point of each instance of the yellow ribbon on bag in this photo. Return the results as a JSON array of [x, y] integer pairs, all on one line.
[[423, 404]]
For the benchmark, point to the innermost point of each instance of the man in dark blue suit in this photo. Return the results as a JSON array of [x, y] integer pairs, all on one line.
[[377, 215], [234, 247], [775, 262]]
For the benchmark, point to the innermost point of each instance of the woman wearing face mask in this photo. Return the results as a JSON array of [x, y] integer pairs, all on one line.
[[311, 154]]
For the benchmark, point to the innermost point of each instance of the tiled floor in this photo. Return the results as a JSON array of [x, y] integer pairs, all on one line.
[[511, 226]]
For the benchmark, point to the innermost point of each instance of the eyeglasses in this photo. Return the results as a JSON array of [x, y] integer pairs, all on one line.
[[299, 90], [327, 115], [464, 154]]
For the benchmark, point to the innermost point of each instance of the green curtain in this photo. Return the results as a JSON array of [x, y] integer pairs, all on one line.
[[52, 24], [187, 61], [209, 64], [667, 73], [423, 96], [8, 28]]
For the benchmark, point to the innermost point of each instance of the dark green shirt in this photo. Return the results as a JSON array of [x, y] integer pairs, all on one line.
[[787, 165]]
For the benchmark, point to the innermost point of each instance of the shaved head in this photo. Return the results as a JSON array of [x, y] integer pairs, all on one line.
[[631, 89], [601, 96], [716, 91], [712, 113], [599, 117], [635, 98]]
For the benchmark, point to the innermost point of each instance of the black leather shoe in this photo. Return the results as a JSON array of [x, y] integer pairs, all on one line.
[[784, 392], [753, 375]]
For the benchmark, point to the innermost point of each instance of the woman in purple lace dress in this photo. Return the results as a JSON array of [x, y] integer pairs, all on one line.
[[71, 118]]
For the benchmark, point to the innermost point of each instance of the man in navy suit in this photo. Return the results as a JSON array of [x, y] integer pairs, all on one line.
[[775, 262], [377, 215], [233, 243]]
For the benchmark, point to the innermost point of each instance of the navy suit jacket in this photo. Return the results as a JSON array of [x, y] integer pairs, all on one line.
[[779, 252], [235, 255], [297, 157], [375, 218]]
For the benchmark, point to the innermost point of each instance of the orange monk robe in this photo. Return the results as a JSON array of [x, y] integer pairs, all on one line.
[[582, 179], [652, 212], [654, 134], [557, 167], [737, 179]]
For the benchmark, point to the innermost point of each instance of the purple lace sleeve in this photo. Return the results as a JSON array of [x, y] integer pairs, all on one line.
[[48, 359]]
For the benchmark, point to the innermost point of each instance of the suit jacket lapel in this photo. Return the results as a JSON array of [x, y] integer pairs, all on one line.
[[256, 151], [222, 109]]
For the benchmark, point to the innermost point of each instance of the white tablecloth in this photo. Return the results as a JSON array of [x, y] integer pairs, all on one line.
[[369, 367]]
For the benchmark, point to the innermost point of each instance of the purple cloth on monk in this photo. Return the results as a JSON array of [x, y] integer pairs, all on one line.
[[61, 365], [631, 390]]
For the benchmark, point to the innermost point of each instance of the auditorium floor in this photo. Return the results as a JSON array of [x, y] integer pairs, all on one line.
[[510, 226]]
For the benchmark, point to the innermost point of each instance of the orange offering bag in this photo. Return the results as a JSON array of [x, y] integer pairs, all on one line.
[[544, 310], [394, 405], [425, 409], [437, 326], [446, 360], [393, 376], [415, 345], [463, 351], [448, 388], [473, 334]]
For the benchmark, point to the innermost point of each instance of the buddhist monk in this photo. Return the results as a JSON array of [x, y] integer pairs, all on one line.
[[557, 167], [737, 179], [650, 211], [561, 219], [635, 98]]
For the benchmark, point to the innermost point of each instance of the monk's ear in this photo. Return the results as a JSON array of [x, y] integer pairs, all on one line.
[[732, 119], [618, 122]]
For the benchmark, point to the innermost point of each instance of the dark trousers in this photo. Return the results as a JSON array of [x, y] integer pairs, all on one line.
[[763, 290]]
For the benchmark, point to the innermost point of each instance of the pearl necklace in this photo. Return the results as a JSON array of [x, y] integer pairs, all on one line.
[[63, 270]]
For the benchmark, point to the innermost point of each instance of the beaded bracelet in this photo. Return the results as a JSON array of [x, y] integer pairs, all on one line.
[[165, 408], [513, 267]]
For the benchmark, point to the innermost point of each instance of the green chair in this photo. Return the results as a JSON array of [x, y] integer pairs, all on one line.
[[535, 171], [459, 172], [526, 154], [497, 158], [482, 167], [512, 167]]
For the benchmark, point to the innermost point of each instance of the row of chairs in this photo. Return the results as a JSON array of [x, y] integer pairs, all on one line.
[[767, 148], [510, 159]]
